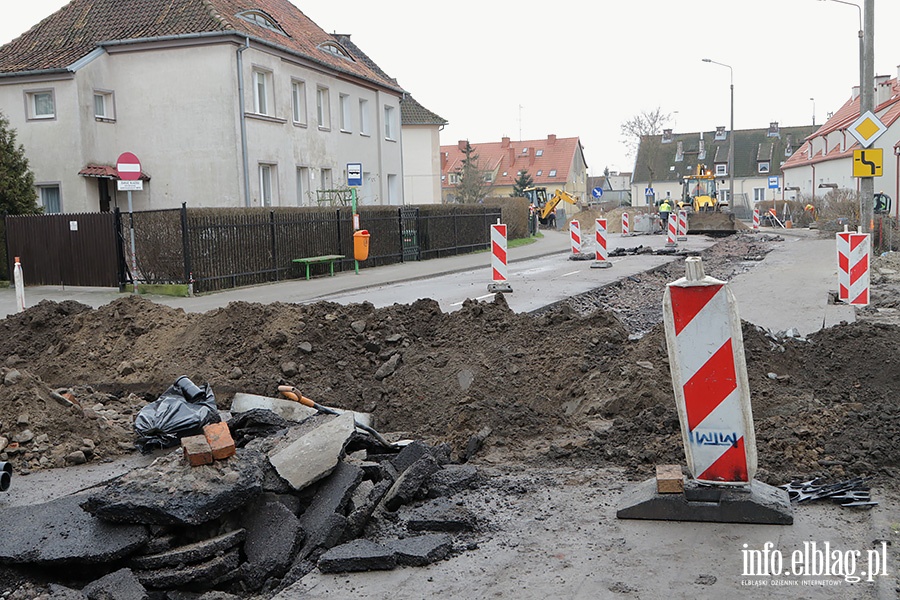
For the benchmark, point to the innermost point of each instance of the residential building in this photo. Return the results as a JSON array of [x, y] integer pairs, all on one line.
[[824, 162], [663, 160], [420, 130], [554, 163], [616, 187], [224, 103]]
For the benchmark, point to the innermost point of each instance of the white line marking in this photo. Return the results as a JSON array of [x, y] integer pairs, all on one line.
[[572, 273], [478, 298]]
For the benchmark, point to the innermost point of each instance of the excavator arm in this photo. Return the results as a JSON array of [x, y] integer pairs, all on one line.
[[558, 196]]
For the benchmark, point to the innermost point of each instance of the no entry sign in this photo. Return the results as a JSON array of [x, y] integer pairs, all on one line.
[[128, 167]]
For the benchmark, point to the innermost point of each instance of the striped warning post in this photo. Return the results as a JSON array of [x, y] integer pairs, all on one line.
[[498, 253], [709, 376], [756, 220], [857, 269], [671, 231], [625, 223], [575, 233], [600, 239], [682, 225], [842, 243]]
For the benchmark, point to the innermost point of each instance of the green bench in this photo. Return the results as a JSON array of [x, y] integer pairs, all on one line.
[[316, 260]]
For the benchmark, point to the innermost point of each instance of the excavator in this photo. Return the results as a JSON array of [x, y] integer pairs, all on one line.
[[544, 206], [706, 212]]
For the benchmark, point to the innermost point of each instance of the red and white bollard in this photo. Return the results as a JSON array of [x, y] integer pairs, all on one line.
[[671, 229], [709, 376], [601, 252], [682, 225], [756, 220], [498, 260], [853, 267], [625, 224], [575, 234]]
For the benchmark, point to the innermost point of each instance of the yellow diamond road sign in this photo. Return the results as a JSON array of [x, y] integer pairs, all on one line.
[[867, 128]]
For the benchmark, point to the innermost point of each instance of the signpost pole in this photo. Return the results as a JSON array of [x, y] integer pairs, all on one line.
[[133, 256], [355, 222]]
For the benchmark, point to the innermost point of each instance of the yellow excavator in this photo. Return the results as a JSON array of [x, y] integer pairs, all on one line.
[[545, 206], [706, 212]]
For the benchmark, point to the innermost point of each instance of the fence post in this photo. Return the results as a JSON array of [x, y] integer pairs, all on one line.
[[186, 250], [340, 237], [120, 250], [274, 247]]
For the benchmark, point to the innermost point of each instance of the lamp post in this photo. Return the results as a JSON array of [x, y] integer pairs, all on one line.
[[731, 134], [814, 111], [866, 99]]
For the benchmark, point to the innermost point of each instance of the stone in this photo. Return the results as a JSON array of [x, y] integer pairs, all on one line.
[[68, 535], [191, 553], [305, 347], [358, 555], [171, 492], [273, 536], [358, 326], [196, 450], [421, 550], [315, 454], [118, 585], [220, 441], [24, 437], [61, 592], [387, 369], [408, 455], [12, 377], [410, 482], [236, 373], [289, 369], [286, 409], [76, 458]]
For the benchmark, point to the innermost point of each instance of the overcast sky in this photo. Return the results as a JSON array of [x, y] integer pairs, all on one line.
[[525, 69]]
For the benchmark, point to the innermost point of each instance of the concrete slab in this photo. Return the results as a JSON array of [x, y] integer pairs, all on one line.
[[759, 504], [286, 409], [314, 455]]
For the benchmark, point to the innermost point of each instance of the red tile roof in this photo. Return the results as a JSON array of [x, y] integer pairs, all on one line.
[[507, 158], [106, 171], [80, 26]]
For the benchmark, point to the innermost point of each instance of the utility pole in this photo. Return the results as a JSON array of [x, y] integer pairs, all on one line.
[[867, 102]]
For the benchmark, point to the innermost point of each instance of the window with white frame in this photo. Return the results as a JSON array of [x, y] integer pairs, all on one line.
[[303, 187], [759, 194], [454, 178], [262, 85], [325, 179], [763, 167], [488, 177], [298, 102], [104, 109], [365, 119], [41, 104], [721, 169], [540, 172], [323, 110], [552, 172], [393, 189], [50, 199], [345, 112], [390, 126], [267, 185]]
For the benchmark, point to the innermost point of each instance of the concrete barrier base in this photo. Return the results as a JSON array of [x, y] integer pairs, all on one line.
[[601, 264], [502, 287], [757, 503]]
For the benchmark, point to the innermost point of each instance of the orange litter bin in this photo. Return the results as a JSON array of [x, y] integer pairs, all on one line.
[[361, 244]]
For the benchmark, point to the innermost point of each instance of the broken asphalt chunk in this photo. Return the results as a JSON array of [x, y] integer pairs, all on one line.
[[315, 454], [358, 555], [192, 553], [119, 585]]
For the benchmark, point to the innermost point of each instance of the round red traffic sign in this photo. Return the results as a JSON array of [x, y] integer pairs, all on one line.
[[128, 167]]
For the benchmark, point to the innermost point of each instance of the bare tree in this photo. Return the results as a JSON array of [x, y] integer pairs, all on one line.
[[473, 183], [642, 135]]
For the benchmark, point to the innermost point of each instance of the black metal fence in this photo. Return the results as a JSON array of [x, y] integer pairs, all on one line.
[[221, 248]]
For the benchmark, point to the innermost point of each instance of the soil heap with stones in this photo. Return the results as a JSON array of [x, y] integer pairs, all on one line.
[[587, 380]]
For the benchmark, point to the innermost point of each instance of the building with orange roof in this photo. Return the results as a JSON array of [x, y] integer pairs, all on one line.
[[552, 162], [824, 162]]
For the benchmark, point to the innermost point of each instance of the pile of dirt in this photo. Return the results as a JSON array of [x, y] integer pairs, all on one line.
[[586, 380]]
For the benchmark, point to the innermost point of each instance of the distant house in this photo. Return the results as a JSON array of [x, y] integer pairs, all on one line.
[[552, 163], [224, 103], [824, 162], [421, 152], [663, 160], [616, 187]]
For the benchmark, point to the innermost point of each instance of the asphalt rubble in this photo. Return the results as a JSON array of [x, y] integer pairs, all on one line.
[[302, 490]]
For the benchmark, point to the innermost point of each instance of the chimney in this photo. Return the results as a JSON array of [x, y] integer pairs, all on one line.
[[444, 157], [854, 92], [512, 155], [551, 139], [462, 145], [883, 89], [504, 142]]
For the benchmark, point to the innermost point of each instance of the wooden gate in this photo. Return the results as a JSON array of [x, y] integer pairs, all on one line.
[[68, 249]]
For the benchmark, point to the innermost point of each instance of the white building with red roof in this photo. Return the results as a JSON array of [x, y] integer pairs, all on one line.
[[824, 162]]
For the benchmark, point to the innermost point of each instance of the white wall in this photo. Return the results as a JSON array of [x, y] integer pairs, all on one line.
[[421, 164]]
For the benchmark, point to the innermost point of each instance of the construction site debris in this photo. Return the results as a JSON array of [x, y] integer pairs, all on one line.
[[183, 409], [852, 493]]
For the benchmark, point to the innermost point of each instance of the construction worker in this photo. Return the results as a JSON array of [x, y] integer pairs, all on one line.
[[665, 209]]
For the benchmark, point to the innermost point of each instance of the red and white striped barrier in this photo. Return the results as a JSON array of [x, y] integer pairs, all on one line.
[[756, 220], [709, 376], [853, 267], [682, 225], [498, 260], [625, 224], [600, 250], [671, 229], [575, 234]]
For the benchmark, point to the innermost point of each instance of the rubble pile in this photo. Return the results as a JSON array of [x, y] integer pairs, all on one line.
[[293, 496]]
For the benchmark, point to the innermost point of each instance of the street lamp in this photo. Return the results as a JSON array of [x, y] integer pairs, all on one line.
[[814, 111], [731, 135]]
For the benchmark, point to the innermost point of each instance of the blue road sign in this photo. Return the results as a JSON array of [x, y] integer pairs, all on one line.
[[597, 192], [773, 182], [354, 174], [648, 191]]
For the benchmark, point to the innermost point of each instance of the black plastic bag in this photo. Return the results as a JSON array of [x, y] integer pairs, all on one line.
[[182, 410]]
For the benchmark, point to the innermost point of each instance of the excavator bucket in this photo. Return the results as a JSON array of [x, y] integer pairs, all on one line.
[[714, 223]]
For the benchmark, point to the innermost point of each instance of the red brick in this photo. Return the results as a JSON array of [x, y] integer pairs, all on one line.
[[196, 450], [220, 440]]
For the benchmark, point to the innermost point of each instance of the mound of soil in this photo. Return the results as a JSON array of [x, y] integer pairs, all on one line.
[[585, 381]]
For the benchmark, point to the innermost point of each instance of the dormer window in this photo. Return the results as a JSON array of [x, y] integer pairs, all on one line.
[[538, 152], [667, 136], [763, 167], [257, 17], [335, 49], [720, 133], [552, 172], [525, 150]]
